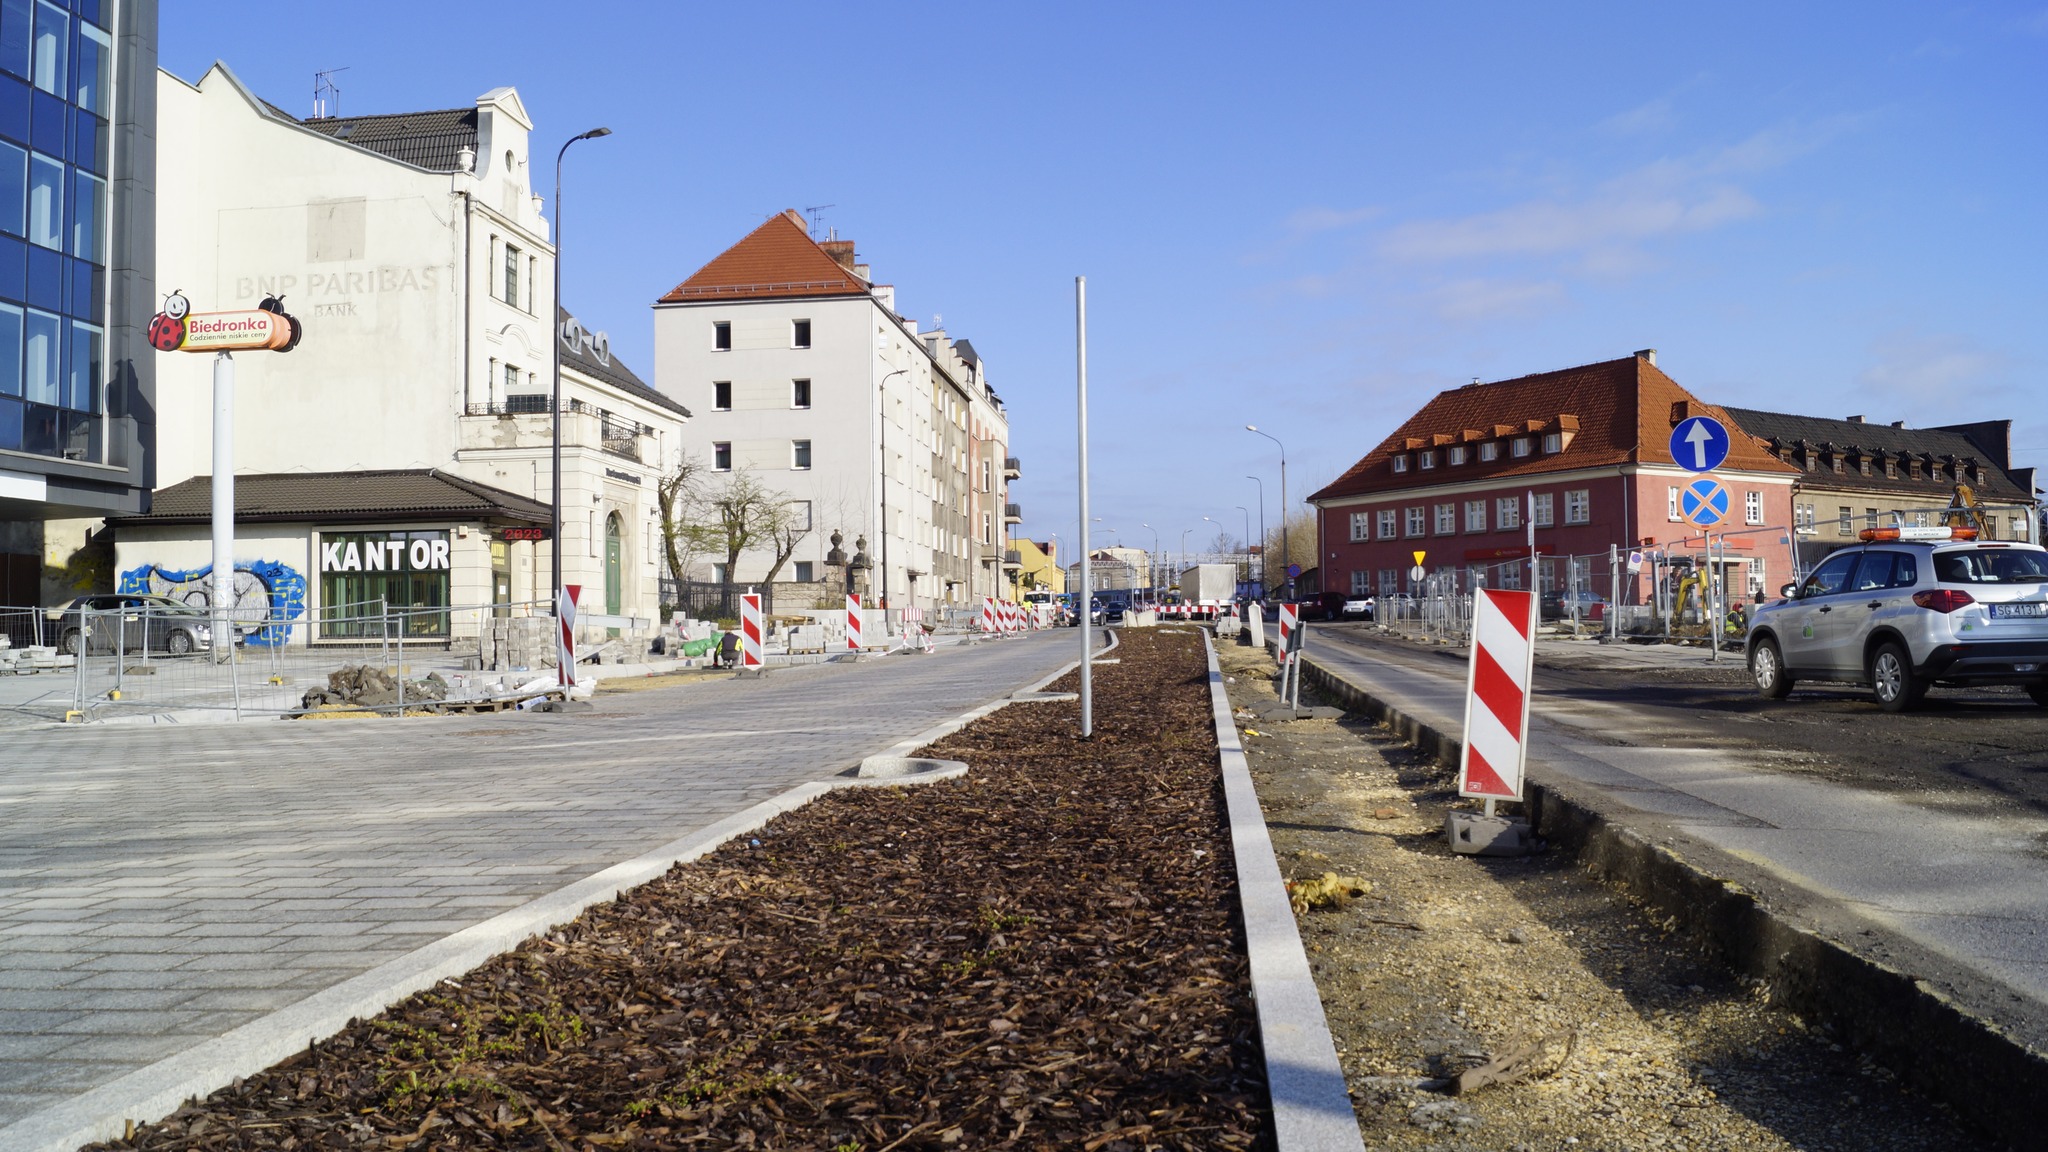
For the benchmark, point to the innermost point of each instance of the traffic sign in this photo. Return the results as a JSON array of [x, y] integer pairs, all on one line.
[[1418, 559], [1703, 503], [1416, 573], [1293, 571], [1699, 443]]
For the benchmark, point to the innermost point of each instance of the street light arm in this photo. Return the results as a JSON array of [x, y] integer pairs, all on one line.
[[555, 360]]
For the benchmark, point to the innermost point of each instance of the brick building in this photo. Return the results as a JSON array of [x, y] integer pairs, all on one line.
[[1582, 452]]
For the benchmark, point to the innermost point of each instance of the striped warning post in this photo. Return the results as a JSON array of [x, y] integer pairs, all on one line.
[[1290, 619], [750, 630], [853, 623], [988, 614], [1497, 694], [565, 636]]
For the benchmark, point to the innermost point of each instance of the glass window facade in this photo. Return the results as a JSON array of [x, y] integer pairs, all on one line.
[[384, 583], [56, 75]]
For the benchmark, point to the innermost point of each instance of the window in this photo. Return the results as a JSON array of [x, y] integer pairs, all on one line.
[[721, 456], [1885, 570], [1671, 503], [1417, 521], [988, 532], [45, 201], [1386, 519], [1446, 519], [800, 514], [1870, 517], [1545, 514], [52, 33], [1832, 575], [803, 571], [1920, 519], [40, 384], [1578, 506], [1521, 446], [1846, 520], [1511, 576], [799, 333], [14, 35], [1400, 463], [13, 190], [1489, 451], [511, 276], [1426, 459], [1475, 515], [1361, 526], [1802, 517], [1752, 508], [1457, 454], [1756, 574], [1507, 513], [87, 345], [799, 454], [721, 335], [511, 379], [10, 353], [799, 393], [721, 395], [1361, 582], [718, 574], [1390, 581], [1553, 441], [88, 218]]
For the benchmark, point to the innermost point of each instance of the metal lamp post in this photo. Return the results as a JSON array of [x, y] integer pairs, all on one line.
[[1152, 577], [1286, 553], [555, 346], [1247, 541], [1265, 564]]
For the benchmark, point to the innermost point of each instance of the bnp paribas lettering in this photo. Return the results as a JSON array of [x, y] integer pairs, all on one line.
[[388, 278]]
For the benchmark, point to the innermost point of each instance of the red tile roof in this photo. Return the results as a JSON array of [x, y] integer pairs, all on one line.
[[1624, 411], [777, 259]]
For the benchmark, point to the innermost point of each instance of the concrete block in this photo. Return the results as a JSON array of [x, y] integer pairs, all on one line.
[[1471, 834]]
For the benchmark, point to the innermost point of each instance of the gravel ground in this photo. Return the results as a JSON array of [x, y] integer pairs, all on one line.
[[1449, 961]]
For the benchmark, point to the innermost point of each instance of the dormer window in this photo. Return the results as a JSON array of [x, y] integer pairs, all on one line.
[[1426, 459], [1863, 465], [1489, 451], [1553, 442], [1521, 446], [1891, 469], [1457, 455], [1401, 463]]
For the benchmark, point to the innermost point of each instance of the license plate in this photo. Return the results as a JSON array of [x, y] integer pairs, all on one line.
[[2018, 611]]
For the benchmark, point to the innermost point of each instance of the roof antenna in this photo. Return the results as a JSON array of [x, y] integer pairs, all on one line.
[[816, 213], [324, 87]]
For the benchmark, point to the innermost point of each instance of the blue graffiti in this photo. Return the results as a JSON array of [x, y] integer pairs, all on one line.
[[268, 594]]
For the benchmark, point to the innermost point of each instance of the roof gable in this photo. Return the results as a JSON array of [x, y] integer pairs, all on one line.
[[777, 259]]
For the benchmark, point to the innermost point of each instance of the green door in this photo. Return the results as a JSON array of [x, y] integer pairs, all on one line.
[[613, 595]]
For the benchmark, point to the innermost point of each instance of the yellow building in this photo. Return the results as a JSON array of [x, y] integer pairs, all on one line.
[[1038, 567]]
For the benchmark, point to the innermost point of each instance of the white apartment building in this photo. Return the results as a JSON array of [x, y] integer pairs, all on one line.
[[417, 407], [801, 372]]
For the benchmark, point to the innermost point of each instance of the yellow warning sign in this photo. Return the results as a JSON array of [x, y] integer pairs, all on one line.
[[1419, 556]]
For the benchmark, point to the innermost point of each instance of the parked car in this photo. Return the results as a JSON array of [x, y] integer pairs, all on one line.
[[1357, 608], [1558, 605], [154, 624], [1908, 609]]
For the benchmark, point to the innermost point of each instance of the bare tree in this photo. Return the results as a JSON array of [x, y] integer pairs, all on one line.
[[747, 514], [789, 523], [683, 534]]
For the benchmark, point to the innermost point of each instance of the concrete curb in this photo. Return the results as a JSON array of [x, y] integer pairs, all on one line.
[[161, 1088], [1992, 1080], [1311, 1105]]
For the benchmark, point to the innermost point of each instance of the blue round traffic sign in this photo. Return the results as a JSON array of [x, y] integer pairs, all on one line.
[[1703, 503], [1293, 570], [1699, 443]]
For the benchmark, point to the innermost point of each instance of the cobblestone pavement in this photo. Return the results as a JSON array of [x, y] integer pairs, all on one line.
[[162, 885]]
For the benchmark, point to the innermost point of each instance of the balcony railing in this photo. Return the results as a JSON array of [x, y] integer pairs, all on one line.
[[615, 434], [1013, 514], [1012, 468], [1013, 559]]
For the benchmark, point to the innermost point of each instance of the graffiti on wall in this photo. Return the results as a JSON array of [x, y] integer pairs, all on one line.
[[268, 595]]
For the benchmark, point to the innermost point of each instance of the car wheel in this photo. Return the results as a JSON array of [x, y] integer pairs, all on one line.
[[2039, 693], [1891, 678], [178, 643], [68, 645], [1767, 668]]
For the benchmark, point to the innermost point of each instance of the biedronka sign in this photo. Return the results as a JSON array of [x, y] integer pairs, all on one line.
[[266, 327]]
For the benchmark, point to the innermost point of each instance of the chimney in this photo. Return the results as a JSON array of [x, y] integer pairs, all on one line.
[[839, 250], [1898, 423], [1855, 419], [1649, 354]]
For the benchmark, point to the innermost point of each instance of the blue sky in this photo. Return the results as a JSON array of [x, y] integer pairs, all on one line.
[[1311, 218]]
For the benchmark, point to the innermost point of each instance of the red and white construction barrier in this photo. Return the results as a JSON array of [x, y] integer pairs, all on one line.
[[1290, 619], [1497, 694], [853, 623], [988, 614], [565, 636], [750, 631]]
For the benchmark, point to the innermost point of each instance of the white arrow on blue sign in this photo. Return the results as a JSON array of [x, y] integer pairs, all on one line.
[[1703, 503], [1699, 443]]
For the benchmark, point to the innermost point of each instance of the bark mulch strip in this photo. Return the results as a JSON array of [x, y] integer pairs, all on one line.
[[1045, 953]]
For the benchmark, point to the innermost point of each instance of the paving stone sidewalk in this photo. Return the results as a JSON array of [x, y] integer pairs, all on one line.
[[160, 886]]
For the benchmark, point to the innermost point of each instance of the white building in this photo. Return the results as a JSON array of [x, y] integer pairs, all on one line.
[[802, 373], [412, 248]]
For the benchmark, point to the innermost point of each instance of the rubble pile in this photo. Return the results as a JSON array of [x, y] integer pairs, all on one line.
[[364, 686]]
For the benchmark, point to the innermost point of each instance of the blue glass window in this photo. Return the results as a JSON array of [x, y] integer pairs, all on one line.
[[45, 278], [13, 269], [15, 19], [88, 10], [88, 219], [45, 201], [50, 48], [10, 424], [88, 291], [49, 124], [14, 105], [13, 190], [95, 69], [10, 350], [89, 142], [42, 366], [82, 393]]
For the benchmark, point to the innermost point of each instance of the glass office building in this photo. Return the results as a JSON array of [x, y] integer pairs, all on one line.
[[77, 131]]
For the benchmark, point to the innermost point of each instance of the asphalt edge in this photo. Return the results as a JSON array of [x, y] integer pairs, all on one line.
[[157, 1090], [1991, 1080], [1311, 1104]]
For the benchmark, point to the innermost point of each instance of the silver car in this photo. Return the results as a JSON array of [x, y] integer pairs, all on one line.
[[1902, 614]]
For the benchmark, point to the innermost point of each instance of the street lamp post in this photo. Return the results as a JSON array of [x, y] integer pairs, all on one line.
[[1152, 576], [1265, 563], [1247, 541], [1184, 546], [555, 497], [1286, 553]]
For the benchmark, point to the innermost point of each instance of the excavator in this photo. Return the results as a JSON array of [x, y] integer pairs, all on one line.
[[1966, 511]]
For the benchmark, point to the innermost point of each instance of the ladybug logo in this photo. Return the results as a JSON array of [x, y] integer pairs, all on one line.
[[166, 332]]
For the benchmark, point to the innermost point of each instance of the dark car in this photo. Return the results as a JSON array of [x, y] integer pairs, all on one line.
[[131, 623]]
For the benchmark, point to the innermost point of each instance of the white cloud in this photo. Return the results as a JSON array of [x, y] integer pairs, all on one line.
[[1619, 214], [1647, 119], [1479, 300], [1310, 221], [1921, 374]]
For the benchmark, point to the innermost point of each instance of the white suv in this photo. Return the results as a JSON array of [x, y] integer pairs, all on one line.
[[1907, 609]]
